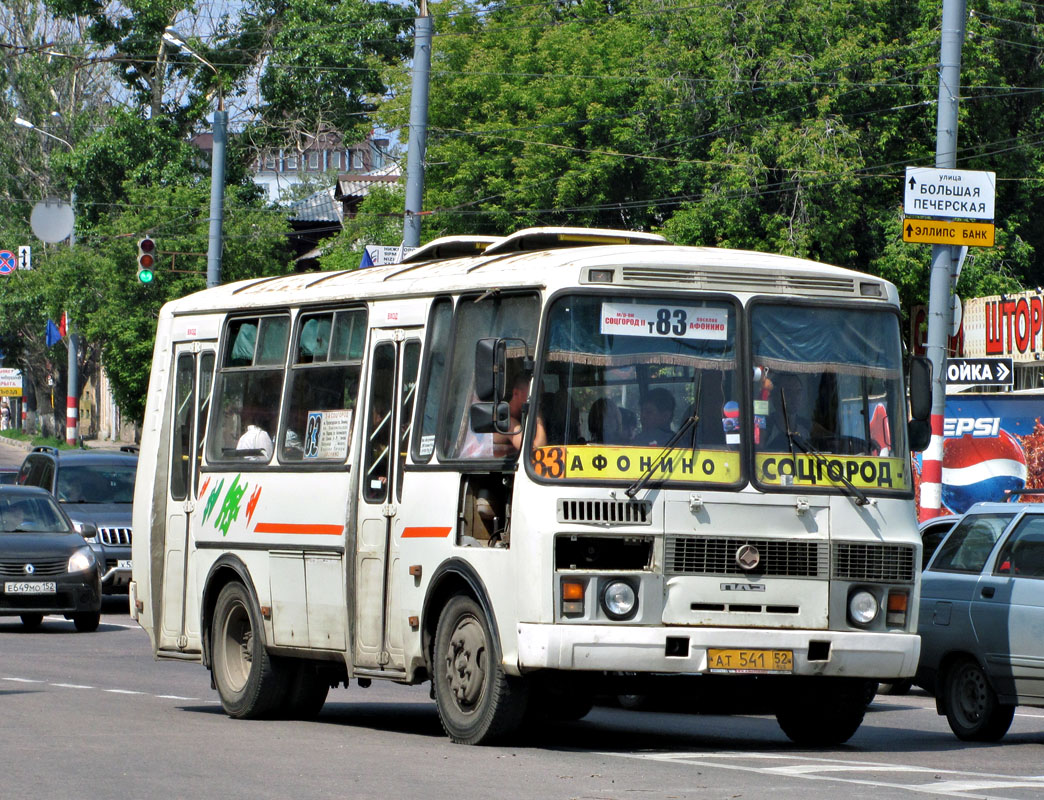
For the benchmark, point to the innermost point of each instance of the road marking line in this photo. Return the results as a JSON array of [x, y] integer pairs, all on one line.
[[70, 686], [121, 691], [174, 697], [826, 769], [22, 680]]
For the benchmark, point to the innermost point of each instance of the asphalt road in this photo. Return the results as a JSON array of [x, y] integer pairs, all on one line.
[[93, 715]]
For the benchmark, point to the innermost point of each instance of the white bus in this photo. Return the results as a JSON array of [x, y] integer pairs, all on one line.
[[714, 497]]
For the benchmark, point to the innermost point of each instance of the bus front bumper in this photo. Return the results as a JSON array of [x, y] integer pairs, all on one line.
[[682, 650]]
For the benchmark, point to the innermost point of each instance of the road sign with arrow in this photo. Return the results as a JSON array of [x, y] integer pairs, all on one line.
[[979, 371]]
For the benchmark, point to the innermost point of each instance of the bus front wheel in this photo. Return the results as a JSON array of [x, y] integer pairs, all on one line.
[[248, 680], [478, 703], [823, 716]]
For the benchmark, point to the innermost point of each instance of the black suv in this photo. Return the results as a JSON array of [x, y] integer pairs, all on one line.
[[96, 489]]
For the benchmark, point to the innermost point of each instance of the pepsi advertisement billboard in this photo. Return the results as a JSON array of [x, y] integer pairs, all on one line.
[[993, 444]]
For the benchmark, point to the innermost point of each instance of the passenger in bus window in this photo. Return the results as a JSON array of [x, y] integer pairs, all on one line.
[[255, 437], [519, 396], [628, 425], [605, 422], [657, 414]]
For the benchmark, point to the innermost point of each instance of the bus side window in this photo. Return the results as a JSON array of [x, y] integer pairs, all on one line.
[[323, 387], [481, 317], [436, 359], [248, 389]]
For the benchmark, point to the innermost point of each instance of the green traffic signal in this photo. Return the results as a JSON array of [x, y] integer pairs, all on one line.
[[145, 275]]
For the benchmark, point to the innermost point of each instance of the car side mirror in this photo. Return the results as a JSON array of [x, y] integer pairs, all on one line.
[[88, 530], [490, 370]]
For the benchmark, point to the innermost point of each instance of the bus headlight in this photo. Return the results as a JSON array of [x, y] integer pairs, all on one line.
[[862, 607], [619, 600]]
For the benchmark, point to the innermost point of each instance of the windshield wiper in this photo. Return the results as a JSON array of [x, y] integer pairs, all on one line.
[[690, 423], [643, 479], [806, 447]]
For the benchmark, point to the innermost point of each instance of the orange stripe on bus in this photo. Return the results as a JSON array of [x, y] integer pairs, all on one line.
[[289, 527], [425, 533]]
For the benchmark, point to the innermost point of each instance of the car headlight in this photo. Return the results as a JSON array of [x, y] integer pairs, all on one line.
[[619, 599], [862, 607], [81, 560]]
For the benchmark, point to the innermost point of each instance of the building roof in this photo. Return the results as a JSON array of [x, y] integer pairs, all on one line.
[[354, 185], [318, 207]]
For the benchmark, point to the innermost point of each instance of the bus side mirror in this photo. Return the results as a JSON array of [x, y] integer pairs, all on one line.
[[490, 370], [918, 434], [490, 417], [920, 388]]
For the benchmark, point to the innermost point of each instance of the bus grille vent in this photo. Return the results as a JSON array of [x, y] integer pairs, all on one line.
[[693, 555], [659, 275], [605, 512], [873, 562]]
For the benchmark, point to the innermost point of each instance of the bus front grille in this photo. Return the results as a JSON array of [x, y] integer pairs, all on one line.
[[605, 512], [882, 563], [697, 555]]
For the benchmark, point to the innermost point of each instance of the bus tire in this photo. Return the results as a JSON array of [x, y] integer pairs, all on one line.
[[971, 705], [32, 621], [823, 716], [87, 621], [249, 682], [478, 703], [307, 688]]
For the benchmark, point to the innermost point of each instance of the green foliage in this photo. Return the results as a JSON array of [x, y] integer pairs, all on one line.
[[378, 221]]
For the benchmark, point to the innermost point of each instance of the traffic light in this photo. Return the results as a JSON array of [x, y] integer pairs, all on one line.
[[146, 259]]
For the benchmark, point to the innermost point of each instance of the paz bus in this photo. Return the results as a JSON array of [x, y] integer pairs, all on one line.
[[533, 469]]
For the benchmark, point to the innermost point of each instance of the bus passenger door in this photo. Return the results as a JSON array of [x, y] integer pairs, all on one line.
[[193, 379], [394, 358]]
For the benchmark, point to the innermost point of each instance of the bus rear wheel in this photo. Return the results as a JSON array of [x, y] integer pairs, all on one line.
[[249, 682], [478, 703], [824, 715]]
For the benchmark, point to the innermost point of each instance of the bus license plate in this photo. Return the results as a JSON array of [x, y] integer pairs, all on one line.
[[29, 587], [750, 661]]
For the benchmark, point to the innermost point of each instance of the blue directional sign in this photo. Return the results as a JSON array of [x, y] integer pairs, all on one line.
[[8, 263]]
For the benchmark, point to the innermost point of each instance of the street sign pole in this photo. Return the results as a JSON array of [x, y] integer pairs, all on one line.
[[943, 256]]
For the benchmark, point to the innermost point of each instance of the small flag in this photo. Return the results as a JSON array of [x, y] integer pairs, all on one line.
[[62, 326], [53, 334], [366, 260]]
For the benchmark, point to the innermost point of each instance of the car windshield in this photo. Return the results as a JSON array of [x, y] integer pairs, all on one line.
[[37, 513], [640, 387], [828, 401], [96, 483]]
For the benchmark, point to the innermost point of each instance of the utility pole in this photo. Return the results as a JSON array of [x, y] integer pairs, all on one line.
[[411, 226], [217, 164], [72, 395], [944, 257]]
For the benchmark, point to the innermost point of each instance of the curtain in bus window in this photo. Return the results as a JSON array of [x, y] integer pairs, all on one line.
[[809, 339]]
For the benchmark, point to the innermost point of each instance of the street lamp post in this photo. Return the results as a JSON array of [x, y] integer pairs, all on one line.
[[217, 165], [72, 394]]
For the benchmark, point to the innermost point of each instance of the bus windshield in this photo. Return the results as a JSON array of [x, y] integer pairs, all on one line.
[[630, 383], [828, 404], [635, 386]]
